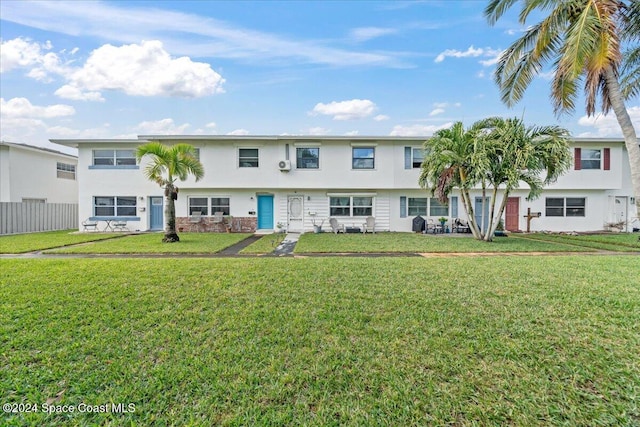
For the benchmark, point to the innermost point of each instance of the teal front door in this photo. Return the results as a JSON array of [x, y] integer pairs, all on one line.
[[155, 213], [265, 212]]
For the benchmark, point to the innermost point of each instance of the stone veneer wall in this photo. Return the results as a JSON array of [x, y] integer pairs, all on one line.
[[239, 225]]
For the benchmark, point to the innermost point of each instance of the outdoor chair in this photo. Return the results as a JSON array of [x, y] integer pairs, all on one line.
[[369, 226], [90, 225], [218, 217], [335, 226], [120, 226], [195, 220], [430, 227], [460, 226]]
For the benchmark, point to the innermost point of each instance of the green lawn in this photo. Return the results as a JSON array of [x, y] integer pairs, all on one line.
[[620, 242], [412, 243], [524, 341], [192, 243], [265, 245], [21, 243]]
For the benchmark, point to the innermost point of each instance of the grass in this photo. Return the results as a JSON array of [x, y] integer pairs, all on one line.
[[324, 341], [619, 242], [412, 243], [191, 243], [22, 243], [265, 245]]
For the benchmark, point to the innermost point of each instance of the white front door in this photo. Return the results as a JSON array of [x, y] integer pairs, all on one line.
[[621, 209], [295, 209]]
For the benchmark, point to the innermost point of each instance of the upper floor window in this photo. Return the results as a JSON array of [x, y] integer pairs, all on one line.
[[590, 158], [248, 157], [363, 157], [413, 157], [114, 206], [114, 158], [66, 170], [307, 158], [560, 206]]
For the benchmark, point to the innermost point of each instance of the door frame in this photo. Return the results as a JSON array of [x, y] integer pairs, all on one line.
[[151, 198], [260, 214], [300, 229]]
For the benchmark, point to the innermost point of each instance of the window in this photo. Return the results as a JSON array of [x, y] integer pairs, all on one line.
[[590, 159], [559, 206], [114, 158], [307, 158], [417, 206], [363, 157], [351, 206], [413, 157], [114, 206], [198, 204], [31, 200], [437, 209], [220, 204], [248, 157], [66, 171], [208, 206]]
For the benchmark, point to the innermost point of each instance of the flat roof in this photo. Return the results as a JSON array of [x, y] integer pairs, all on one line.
[[36, 148]]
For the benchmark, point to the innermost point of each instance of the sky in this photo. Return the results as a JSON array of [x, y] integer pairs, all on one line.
[[116, 69]]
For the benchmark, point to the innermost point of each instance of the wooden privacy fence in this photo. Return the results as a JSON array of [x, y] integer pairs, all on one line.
[[18, 217]]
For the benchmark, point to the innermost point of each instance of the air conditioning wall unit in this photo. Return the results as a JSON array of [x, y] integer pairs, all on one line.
[[284, 165]]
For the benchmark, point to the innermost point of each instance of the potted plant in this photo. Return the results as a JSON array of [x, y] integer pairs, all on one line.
[[500, 230]]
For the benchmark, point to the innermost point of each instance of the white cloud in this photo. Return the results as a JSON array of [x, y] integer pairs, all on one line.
[[346, 110], [239, 132], [368, 33], [352, 133], [380, 118], [436, 111], [607, 125], [20, 53], [72, 92], [417, 130], [22, 108], [317, 131], [161, 127], [146, 69], [472, 52], [211, 125]]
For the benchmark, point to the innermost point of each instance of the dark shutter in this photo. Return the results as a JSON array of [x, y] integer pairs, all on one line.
[[577, 152], [607, 159]]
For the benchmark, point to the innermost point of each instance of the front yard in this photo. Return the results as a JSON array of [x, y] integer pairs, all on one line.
[[542, 340], [21, 243]]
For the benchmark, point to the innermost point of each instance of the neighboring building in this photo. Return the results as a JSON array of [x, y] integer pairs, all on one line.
[[37, 175], [296, 181]]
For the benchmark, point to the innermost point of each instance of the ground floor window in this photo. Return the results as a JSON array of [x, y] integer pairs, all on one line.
[[565, 206], [351, 206], [425, 206], [114, 206], [209, 205]]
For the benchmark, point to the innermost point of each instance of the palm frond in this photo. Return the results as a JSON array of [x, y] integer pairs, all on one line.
[[630, 73]]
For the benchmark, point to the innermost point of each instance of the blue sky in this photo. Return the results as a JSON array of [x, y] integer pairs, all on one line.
[[119, 69]]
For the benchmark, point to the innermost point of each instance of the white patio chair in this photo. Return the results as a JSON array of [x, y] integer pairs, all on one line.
[[335, 226], [90, 225], [369, 226]]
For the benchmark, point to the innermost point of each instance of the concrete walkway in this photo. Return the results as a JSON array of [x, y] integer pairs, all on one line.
[[287, 246]]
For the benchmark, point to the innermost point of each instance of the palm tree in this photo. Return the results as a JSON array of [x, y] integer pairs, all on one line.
[[583, 41], [453, 159], [168, 163], [494, 153], [536, 156]]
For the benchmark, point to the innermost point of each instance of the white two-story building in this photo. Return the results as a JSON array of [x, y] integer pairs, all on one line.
[[298, 181]]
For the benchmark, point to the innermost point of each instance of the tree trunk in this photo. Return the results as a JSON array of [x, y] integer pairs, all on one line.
[[630, 137], [170, 234]]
